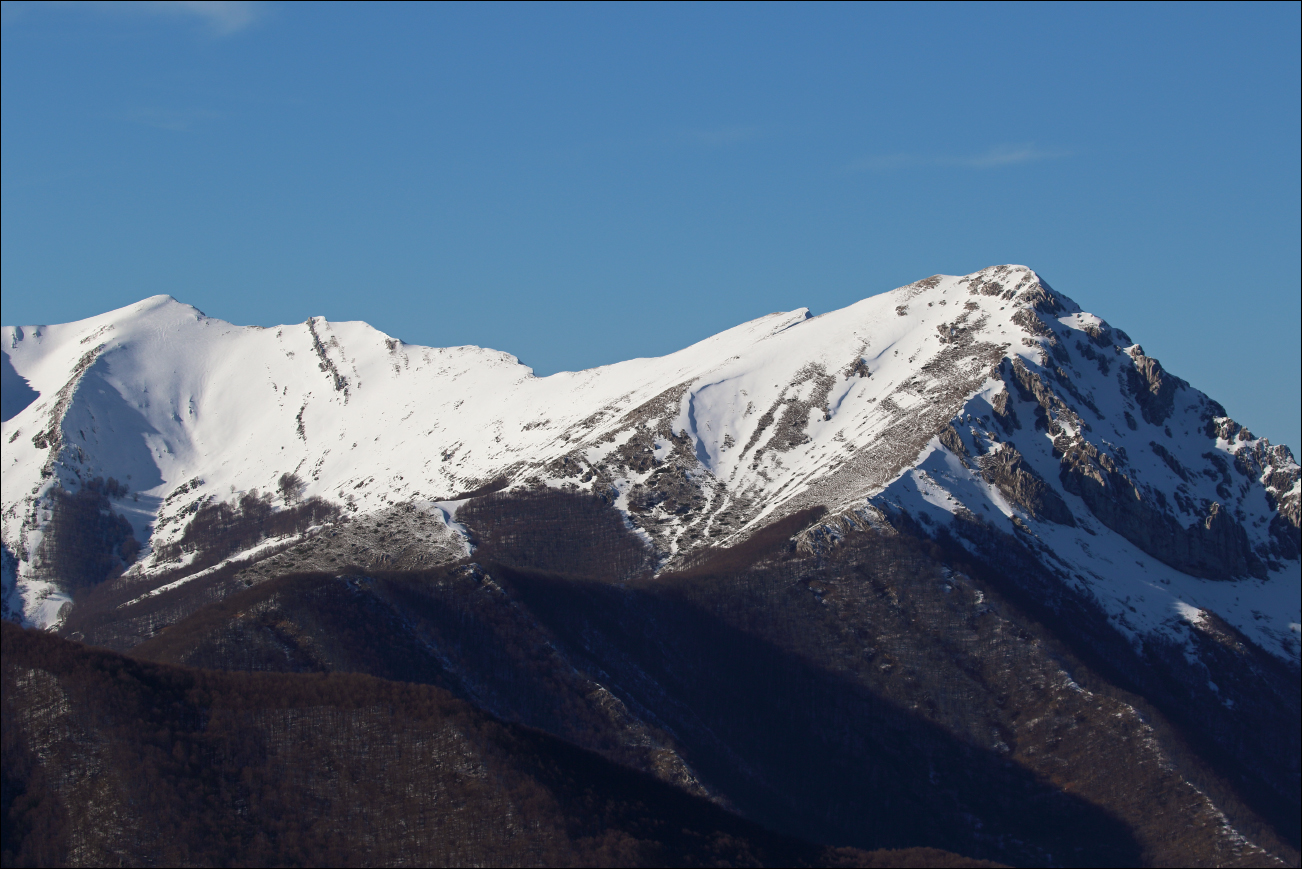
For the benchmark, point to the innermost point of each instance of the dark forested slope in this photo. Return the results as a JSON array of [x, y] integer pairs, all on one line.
[[879, 693], [109, 761]]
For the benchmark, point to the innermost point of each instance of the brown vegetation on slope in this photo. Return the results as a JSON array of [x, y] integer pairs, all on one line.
[[883, 692], [108, 760]]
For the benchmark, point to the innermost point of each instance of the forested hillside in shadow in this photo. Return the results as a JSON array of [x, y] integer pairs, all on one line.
[[880, 694], [108, 760], [887, 692]]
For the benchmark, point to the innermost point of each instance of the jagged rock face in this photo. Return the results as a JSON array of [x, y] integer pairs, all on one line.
[[1274, 467], [1008, 470], [1214, 548], [1152, 387], [989, 398]]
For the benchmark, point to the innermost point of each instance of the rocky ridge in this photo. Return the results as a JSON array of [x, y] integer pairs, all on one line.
[[986, 400]]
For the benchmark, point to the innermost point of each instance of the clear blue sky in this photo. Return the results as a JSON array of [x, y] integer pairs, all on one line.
[[582, 184]]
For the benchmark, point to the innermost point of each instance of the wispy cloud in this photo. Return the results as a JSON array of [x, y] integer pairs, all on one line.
[[217, 17], [1009, 155], [719, 137], [221, 18], [11, 11], [176, 121], [1000, 155]]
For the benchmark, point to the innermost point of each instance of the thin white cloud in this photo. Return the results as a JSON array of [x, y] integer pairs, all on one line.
[[882, 162], [1010, 155], [221, 18], [1000, 155], [176, 121], [11, 11], [719, 137], [218, 17]]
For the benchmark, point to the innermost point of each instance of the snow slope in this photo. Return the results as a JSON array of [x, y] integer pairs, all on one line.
[[910, 401]]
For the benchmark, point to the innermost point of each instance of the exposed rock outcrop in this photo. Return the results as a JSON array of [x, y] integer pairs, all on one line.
[[1152, 386], [1274, 467], [1007, 469], [1216, 547]]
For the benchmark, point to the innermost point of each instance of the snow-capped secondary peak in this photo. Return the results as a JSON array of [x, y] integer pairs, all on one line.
[[983, 403]]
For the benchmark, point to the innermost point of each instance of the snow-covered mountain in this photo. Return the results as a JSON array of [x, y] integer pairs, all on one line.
[[968, 407]]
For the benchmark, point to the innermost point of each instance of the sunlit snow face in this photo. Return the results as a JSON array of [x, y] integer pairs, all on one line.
[[704, 445]]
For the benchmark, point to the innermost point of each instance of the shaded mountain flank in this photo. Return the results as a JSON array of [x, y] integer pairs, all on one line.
[[887, 691], [112, 761]]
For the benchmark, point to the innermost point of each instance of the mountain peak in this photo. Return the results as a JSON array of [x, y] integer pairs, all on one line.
[[983, 404]]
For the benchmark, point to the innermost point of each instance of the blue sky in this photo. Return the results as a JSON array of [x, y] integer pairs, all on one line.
[[582, 184]]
